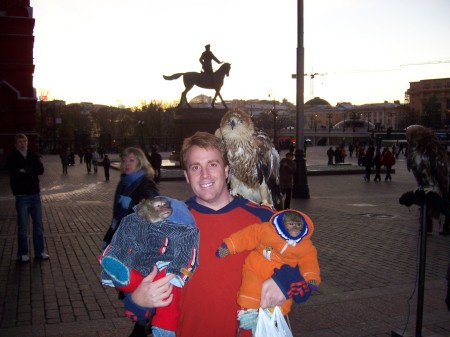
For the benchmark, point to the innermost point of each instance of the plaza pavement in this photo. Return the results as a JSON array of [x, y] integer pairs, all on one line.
[[367, 245]]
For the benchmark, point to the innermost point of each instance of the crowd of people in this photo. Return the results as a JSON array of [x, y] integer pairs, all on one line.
[[368, 156], [201, 307]]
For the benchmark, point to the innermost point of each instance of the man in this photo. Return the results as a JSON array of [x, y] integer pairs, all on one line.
[[155, 160], [88, 160], [287, 171], [208, 300], [24, 167], [206, 60]]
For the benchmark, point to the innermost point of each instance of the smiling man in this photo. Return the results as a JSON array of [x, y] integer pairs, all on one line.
[[208, 300]]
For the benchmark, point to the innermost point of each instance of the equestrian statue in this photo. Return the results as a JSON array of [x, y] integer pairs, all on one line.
[[207, 79]]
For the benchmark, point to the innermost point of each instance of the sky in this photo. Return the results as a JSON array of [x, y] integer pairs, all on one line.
[[115, 52]]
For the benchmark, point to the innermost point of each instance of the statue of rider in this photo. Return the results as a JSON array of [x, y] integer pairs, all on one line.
[[206, 61]]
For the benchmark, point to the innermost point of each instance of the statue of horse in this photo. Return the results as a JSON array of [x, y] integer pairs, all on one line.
[[203, 80]]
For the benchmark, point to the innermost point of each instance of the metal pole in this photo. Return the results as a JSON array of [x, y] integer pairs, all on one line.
[[300, 188], [422, 263]]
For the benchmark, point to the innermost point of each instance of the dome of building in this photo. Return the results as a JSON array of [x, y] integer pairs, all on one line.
[[317, 101], [201, 99]]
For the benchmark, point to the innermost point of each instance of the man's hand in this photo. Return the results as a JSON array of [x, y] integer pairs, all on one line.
[[271, 294], [156, 294]]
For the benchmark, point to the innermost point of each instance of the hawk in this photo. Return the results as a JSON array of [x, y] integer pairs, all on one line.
[[428, 160], [254, 161]]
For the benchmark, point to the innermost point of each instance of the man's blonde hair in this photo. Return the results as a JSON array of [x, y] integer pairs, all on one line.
[[204, 140]]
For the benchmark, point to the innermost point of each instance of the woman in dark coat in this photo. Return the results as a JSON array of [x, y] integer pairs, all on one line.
[[136, 183]]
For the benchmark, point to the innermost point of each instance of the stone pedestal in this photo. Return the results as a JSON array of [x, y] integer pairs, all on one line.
[[188, 121]]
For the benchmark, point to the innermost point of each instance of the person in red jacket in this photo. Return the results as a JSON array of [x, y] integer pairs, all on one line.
[[388, 160], [208, 307]]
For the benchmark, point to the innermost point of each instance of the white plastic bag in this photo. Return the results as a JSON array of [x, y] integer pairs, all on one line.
[[272, 325], [264, 325], [281, 324]]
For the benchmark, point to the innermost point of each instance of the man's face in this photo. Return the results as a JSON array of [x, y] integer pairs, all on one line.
[[207, 174], [22, 144]]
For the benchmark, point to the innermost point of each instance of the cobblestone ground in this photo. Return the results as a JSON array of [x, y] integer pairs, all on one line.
[[367, 246]]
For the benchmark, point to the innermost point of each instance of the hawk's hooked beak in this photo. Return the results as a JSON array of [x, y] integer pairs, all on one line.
[[232, 124]]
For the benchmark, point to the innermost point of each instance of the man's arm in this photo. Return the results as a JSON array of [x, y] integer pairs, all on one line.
[[148, 295], [271, 294], [215, 58], [286, 282]]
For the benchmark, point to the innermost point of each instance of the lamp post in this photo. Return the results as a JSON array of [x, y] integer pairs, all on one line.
[[344, 113], [141, 127], [300, 188], [275, 135], [274, 113], [329, 115]]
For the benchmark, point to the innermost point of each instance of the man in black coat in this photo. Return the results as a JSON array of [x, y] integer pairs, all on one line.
[[24, 167]]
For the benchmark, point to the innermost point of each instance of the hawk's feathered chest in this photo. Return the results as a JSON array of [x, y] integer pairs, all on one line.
[[243, 157], [253, 160]]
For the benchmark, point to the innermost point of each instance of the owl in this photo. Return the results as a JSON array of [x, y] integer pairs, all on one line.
[[254, 161], [428, 160]]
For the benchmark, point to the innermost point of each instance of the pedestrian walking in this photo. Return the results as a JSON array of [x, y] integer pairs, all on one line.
[[330, 154], [24, 168], [377, 164], [65, 160], [71, 158], [337, 155], [88, 160], [287, 171], [156, 162], [95, 159], [368, 161], [360, 154], [81, 155], [388, 160], [351, 148], [106, 166]]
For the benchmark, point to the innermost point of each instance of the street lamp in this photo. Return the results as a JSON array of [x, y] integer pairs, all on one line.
[[141, 127], [329, 115], [344, 113], [275, 136], [300, 188], [274, 112]]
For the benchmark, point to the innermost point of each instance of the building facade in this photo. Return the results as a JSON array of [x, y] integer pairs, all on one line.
[[430, 102], [17, 95]]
